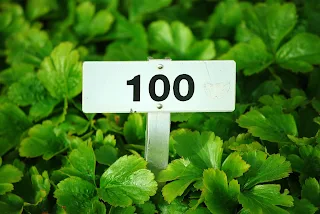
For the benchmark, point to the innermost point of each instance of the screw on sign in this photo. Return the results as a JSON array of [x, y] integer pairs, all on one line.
[[159, 87]]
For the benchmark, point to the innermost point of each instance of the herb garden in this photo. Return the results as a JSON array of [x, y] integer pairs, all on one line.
[[262, 158]]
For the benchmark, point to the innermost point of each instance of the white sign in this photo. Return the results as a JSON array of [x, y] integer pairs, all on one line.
[[159, 86]]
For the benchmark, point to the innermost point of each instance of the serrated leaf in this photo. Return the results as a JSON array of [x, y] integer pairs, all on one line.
[[121, 51], [15, 73], [181, 173], [13, 19], [8, 175], [272, 22], [11, 204], [306, 162], [203, 150], [302, 206], [78, 196], [177, 40], [139, 8], [106, 154], [60, 73], [234, 166], [91, 23], [250, 57], [146, 208], [134, 129], [227, 14], [288, 105], [269, 123], [200, 50], [127, 181], [38, 8], [34, 187], [176, 207], [43, 140], [311, 191], [121, 210], [263, 169], [300, 53], [29, 47], [266, 199], [75, 124], [220, 196], [13, 122], [29, 91], [242, 143], [81, 163]]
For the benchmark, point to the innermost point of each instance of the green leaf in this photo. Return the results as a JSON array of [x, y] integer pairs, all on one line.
[[139, 8], [13, 122], [121, 51], [13, 19], [176, 207], [177, 40], [106, 154], [78, 196], [36, 8], [29, 47], [307, 162], [127, 181], [227, 15], [120, 210], [15, 73], [311, 191], [220, 196], [44, 140], [234, 166], [266, 199], [11, 204], [263, 169], [182, 173], [8, 175], [30, 91], [125, 30], [302, 206], [201, 50], [288, 105], [203, 150], [134, 129], [242, 143], [250, 57], [270, 124], [300, 53], [272, 22], [89, 23], [34, 187], [81, 163], [146, 208], [75, 124], [175, 37], [60, 73]]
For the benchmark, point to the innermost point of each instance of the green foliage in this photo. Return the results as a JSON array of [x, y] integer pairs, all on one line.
[[262, 158]]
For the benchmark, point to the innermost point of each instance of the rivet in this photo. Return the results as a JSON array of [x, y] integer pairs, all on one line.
[[160, 66], [159, 106]]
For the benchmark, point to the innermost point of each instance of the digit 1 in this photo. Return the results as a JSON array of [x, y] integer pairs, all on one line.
[[152, 86], [176, 87], [136, 87]]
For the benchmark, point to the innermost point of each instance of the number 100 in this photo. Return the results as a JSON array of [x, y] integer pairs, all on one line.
[[176, 87]]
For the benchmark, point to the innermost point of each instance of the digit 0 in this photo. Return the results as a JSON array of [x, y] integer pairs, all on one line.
[[152, 87], [176, 87]]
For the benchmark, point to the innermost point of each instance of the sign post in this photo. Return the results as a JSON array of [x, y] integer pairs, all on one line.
[[157, 136], [158, 87]]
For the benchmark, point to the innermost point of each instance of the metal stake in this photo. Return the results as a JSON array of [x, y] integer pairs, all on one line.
[[157, 137]]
